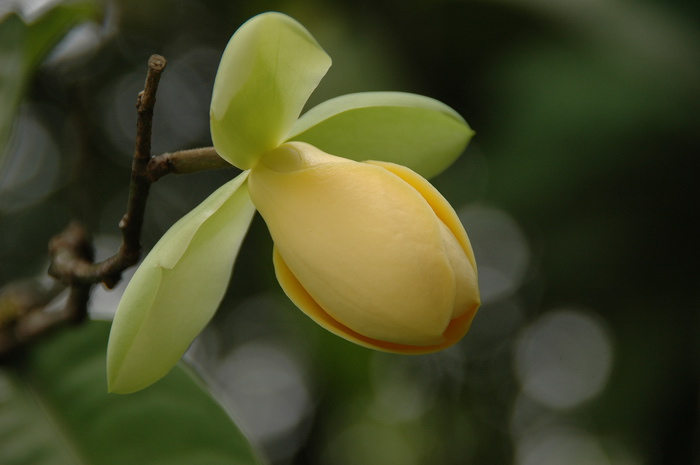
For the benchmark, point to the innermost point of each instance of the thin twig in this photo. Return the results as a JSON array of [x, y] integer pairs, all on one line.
[[66, 265], [132, 222], [22, 306]]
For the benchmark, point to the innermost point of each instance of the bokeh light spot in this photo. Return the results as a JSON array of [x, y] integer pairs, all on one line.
[[31, 168], [561, 445], [266, 386], [564, 358], [500, 248]]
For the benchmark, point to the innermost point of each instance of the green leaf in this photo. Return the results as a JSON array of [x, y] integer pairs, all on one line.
[[177, 289], [411, 130], [23, 47], [55, 410], [267, 72]]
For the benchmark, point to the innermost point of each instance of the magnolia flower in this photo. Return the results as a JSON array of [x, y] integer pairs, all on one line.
[[367, 249]]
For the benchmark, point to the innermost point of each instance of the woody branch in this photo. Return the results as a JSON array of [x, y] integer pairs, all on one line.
[[71, 252]]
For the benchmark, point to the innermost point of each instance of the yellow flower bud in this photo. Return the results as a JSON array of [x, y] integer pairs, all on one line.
[[370, 251]]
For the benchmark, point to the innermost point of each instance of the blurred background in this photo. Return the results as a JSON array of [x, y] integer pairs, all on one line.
[[579, 193]]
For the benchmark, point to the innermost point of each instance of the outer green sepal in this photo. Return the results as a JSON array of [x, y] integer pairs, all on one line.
[[176, 290], [267, 72], [412, 130]]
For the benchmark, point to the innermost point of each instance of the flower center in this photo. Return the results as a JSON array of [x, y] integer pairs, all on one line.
[[283, 159]]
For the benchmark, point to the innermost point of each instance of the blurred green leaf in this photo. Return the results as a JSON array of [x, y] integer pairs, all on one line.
[[54, 409], [22, 48]]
